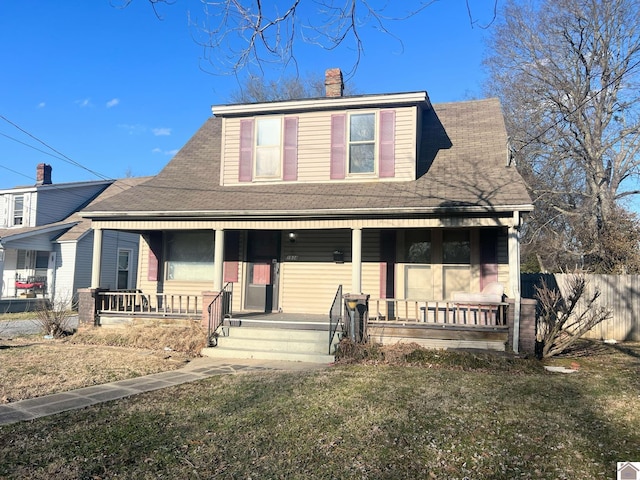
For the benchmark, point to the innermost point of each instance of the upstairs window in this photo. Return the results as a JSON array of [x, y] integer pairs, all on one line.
[[268, 147], [18, 210], [362, 142]]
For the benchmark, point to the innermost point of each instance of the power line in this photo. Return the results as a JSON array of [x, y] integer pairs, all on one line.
[[62, 156]]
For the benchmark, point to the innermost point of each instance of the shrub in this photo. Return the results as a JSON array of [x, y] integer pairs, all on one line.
[[54, 317], [564, 319]]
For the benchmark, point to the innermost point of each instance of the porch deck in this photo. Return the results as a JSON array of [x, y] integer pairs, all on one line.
[[431, 324], [303, 321]]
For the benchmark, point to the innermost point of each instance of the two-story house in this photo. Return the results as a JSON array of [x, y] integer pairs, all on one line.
[[46, 248], [386, 195]]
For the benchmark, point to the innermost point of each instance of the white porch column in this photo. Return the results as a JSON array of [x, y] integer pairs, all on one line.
[[218, 261], [97, 255], [356, 260], [514, 276]]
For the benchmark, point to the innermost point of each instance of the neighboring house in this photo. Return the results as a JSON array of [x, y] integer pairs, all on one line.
[[386, 195], [46, 248]]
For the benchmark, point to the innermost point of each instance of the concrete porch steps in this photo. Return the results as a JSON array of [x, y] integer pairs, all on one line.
[[273, 342]]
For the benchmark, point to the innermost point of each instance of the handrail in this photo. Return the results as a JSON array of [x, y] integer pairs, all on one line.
[[135, 302], [219, 309], [477, 313], [335, 312]]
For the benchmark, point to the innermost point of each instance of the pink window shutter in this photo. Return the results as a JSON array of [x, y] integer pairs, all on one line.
[[387, 153], [290, 167], [245, 173], [338, 146]]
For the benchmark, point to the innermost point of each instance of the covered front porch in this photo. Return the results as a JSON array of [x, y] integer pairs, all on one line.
[[440, 325], [410, 268]]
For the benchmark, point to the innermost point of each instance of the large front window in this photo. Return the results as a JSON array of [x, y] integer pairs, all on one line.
[[268, 147], [456, 259], [190, 256], [418, 279], [362, 142]]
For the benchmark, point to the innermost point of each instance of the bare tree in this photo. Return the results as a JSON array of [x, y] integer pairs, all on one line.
[[237, 34], [564, 319], [567, 72], [258, 89]]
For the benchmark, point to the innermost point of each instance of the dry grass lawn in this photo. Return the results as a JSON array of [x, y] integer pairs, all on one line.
[[404, 414], [32, 367]]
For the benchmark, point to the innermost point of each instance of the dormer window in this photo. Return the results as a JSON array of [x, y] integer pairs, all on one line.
[[18, 210], [268, 147], [362, 142]]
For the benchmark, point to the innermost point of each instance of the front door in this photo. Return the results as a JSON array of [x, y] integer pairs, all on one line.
[[263, 267]]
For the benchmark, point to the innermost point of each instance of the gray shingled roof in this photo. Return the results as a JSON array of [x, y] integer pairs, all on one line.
[[74, 226], [463, 157]]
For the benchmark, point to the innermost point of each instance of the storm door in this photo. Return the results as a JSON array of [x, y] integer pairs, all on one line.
[[263, 267]]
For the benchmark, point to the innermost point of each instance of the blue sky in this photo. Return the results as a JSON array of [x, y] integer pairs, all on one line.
[[117, 92]]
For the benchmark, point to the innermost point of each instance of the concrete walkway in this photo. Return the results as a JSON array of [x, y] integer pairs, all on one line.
[[197, 369]]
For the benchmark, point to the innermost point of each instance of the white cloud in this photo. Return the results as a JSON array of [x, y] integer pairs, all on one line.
[[135, 129], [42, 105], [161, 132], [113, 102], [84, 103], [170, 153]]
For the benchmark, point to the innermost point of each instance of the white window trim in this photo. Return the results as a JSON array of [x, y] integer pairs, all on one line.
[[266, 178], [376, 143], [11, 220], [129, 271]]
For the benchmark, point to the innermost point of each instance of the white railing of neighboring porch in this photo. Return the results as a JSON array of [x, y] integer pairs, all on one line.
[[136, 302], [394, 310]]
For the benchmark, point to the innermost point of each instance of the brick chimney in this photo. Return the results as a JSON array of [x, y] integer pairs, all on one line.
[[43, 174], [334, 86]]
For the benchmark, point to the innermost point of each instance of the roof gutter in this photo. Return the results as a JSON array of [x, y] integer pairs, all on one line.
[[311, 213], [323, 103]]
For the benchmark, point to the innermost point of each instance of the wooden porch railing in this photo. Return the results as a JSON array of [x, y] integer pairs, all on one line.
[[395, 310], [134, 302]]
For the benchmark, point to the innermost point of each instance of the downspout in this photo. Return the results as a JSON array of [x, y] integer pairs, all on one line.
[[514, 272]]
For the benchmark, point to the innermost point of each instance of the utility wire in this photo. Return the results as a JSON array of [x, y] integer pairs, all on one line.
[[62, 156]]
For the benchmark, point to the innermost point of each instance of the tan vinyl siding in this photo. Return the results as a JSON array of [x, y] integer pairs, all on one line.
[[144, 283], [309, 277], [314, 147]]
